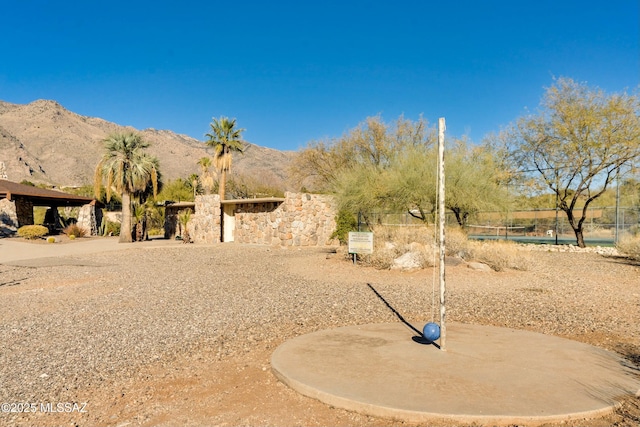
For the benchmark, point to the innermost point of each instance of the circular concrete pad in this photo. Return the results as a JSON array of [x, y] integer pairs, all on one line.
[[487, 375]]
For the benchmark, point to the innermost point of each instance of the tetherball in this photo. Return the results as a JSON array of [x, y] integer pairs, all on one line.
[[431, 331]]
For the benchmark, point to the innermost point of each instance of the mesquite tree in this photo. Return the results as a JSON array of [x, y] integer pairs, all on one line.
[[577, 144]]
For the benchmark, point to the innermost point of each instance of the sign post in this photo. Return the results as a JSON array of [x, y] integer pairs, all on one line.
[[360, 243]]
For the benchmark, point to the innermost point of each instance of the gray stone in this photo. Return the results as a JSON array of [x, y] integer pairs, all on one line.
[[479, 266], [408, 261]]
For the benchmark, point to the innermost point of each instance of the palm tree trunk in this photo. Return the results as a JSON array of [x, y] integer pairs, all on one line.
[[222, 183], [125, 227]]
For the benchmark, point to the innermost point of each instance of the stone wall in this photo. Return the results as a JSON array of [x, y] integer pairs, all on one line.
[[8, 218], [90, 218], [24, 210], [172, 226], [301, 220], [205, 224]]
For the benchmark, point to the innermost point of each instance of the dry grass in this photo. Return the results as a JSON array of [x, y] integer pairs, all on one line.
[[630, 246], [499, 255], [74, 230], [393, 242]]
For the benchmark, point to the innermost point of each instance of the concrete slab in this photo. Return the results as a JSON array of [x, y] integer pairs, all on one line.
[[487, 375]]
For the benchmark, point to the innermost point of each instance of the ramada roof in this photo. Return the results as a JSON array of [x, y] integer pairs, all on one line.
[[41, 196]]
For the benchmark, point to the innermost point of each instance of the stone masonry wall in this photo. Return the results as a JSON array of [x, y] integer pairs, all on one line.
[[24, 210], [8, 218], [90, 218], [204, 225], [301, 220]]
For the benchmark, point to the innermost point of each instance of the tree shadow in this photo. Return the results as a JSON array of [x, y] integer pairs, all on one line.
[[419, 338], [13, 282], [620, 259]]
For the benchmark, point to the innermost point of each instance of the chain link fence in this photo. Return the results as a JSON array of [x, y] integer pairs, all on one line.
[[605, 225]]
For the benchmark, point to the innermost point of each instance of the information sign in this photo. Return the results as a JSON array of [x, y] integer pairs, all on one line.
[[360, 242]]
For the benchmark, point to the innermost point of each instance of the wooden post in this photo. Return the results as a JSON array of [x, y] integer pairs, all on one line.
[[441, 221]]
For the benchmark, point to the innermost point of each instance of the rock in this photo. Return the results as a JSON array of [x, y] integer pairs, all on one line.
[[453, 260], [479, 266], [408, 261]]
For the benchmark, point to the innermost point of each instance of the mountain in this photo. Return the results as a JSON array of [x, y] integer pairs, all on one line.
[[43, 142]]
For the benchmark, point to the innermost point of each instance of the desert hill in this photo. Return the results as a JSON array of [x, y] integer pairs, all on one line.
[[45, 143]]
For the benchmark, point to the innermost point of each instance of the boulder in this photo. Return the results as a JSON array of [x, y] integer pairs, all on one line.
[[479, 266]]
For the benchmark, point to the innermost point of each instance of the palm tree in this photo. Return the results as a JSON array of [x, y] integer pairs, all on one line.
[[184, 216], [206, 179], [225, 139], [193, 182], [126, 168], [139, 213]]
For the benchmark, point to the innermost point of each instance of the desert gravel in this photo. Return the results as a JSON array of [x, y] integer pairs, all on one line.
[[85, 323]]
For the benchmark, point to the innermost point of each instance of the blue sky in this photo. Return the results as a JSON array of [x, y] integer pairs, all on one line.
[[295, 71]]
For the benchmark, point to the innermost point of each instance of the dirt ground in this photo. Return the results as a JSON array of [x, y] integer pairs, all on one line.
[[190, 390]]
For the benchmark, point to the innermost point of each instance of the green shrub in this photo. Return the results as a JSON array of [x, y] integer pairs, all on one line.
[[74, 230], [33, 231], [184, 216], [155, 231], [112, 228], [38, 214], [345, 222], [51, 239]]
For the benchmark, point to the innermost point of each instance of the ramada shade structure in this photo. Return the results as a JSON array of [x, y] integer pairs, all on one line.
[[18, 200], [41, 196]]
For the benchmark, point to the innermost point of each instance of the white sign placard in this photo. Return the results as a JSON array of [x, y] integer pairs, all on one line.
[[360, 242]]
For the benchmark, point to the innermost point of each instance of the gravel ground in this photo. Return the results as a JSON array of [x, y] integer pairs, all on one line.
[[183, 335]]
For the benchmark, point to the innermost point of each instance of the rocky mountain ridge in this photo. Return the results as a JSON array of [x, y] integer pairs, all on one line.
[[43, 142]]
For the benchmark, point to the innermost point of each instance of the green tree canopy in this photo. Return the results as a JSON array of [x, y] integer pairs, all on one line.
[[378, 167], [577, 143], [179, 190], [409, 183]]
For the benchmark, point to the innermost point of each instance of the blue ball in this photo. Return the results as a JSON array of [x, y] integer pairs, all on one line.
[[431, 331]]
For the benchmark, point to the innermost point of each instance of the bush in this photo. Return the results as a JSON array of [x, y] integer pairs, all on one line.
[[74, 230], [51, 239], [630, 246], [393, 242], [184, 216], [112, 228], [33, 231], [499, 255], [345, 222], [456, 242]]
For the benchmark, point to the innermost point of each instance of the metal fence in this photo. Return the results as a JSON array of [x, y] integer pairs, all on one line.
[[606, 224]]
